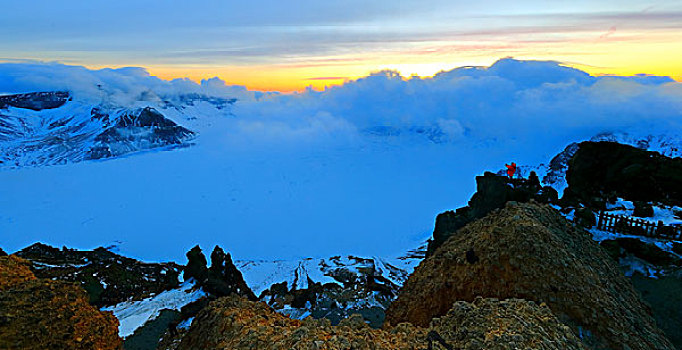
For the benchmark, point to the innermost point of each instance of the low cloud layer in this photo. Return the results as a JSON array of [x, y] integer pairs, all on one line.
[[510, 100]]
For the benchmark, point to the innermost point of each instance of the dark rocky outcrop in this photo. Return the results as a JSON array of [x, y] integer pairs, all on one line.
[[492, 192], [35, 100], [222, 278], [197, 266], [108, 278], [143, 129], [235, 323], [45, 314], [2, 252], [643, 209], [531, 252], [606, 170]]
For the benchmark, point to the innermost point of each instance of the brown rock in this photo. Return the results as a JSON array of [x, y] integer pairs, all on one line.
[[236, 323], [44, 314], [531, 252]]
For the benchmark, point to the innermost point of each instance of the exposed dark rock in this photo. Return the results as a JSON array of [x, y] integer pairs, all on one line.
[[45, 314], [471, 257], [585, 217], [35, 100], [650, 253], [492, 192], [664, 295], [224, 278], [147, 337], [558, 165], [531, 252], [196, 265], [133, 131], [2, 252], [643, 210], [108, 278], [607, 170]]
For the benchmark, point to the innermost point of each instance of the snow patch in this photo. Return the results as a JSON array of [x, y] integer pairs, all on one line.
[[134, 314]]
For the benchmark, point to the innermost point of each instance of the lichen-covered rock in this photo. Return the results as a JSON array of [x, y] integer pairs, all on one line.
[[44, 314], [492, 324], [531, 252], [235, 323]]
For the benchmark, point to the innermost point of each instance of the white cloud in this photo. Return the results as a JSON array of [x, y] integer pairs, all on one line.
[[513, 100]]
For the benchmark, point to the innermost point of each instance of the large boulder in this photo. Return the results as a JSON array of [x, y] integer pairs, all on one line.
[[610, 170], [45, 314], [492, 192], [531, 252]]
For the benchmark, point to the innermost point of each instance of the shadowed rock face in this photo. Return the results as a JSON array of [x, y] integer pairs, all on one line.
[[35, 100], [44, 314], [608, 170], [531, 252], [235, 323]]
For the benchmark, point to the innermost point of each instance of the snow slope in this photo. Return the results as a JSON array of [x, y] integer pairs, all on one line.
[[133, 314]]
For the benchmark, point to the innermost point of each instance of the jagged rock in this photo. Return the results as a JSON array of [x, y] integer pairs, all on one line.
[[643, 210], [108, 278], [35, 100], [531, 252], [608, 170], [2, 252], [492, 192], [235, 323], [224, 278], [44, 314], [196, 265]]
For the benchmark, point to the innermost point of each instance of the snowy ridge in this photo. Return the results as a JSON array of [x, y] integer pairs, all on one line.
[[261, 274]]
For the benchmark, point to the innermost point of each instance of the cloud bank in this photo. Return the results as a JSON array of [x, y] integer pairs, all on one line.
[[511, 100]]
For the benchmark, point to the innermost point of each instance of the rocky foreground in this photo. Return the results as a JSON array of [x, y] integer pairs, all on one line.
[[235, 323], [44, 314]]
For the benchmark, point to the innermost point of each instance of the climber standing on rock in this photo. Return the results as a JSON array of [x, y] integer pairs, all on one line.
[[511, 169]]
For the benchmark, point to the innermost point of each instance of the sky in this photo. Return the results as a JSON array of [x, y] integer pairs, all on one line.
[[290, 45]]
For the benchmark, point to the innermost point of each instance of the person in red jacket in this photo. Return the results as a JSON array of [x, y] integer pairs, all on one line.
[[511, 169]]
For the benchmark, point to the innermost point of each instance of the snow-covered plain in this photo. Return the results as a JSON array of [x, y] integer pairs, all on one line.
[[359, 169]]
